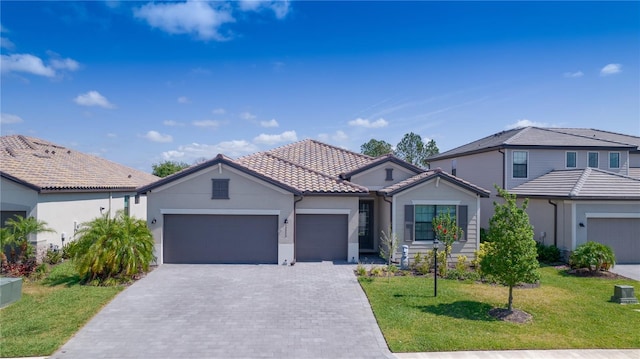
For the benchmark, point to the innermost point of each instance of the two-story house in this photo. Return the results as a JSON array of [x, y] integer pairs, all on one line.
[[306, 201], [583, 184]]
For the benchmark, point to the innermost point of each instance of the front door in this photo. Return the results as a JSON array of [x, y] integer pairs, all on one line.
[[365, 226]]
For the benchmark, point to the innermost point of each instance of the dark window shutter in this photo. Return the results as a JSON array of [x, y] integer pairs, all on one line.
[[463, 221], [408, 223]]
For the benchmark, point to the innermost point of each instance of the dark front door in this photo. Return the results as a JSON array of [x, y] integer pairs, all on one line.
[[365, 225]]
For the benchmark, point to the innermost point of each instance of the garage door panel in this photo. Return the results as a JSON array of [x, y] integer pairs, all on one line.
[[220, 239], [321, 237], [621, 234]]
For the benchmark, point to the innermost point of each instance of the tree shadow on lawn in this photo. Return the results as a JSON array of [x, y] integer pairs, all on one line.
[[66, 279], [465, 309]]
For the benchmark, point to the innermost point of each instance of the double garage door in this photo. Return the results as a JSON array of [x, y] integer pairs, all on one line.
[[621, 234], [194, 238]]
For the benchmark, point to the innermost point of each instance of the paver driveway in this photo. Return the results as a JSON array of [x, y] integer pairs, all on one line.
[[310, 310]]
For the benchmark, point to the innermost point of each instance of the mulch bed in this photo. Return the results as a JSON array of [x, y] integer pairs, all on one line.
[[514, 316], [584, 272]]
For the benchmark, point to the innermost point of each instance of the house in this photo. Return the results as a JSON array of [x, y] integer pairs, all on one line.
[[583, 184], [64, 187], [306, 201]]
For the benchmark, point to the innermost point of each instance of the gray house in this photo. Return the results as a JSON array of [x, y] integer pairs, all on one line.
[[307, 201], [583, 184]]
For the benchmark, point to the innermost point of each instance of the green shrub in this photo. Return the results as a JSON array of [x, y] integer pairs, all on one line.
[[594, 256], [421, 264], [53, 256], [108, 248], [377, 272], [548, 254], [361, 270]]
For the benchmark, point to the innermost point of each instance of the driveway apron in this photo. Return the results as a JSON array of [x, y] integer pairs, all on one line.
[[310, 310]]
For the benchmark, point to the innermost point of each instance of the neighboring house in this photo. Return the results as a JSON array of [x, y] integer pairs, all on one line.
[[307, 201], [583, 184], [64, 187]]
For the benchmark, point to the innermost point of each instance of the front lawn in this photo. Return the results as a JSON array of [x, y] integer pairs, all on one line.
[[568, 312], [49, 313]]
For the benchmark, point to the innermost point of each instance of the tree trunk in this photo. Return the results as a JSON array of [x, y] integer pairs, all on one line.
[[510, 298]]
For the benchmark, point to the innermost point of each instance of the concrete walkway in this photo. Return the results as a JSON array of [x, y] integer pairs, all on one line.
[[310, 310], [529, 354], [631, 271]]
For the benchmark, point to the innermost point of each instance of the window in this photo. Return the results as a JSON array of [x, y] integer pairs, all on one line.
[[220, 188], [614, 159], [520, 159], [137, 199], [424, 215], [126, 205], [389, 172], [593, 159], [571, 160], [454, 167]]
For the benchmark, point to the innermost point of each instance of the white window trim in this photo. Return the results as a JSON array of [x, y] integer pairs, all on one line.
[[611, 215], [619, 160], [323, 211], [566, 162], [512, 159], [597, 159]]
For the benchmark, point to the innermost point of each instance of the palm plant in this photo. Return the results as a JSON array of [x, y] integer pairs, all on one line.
[[18, 231], [112, 248]]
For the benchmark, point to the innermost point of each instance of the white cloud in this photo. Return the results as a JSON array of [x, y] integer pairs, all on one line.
[[8, 118], [183, 100], [247, 116], [279, 7], [172, 123], [287, 136], [360, 122], [25, 63], [156, 136], [573, 74], [194, 151], [202, 18], [218, 111], [65, 64], [526, 123], [6, 43], [112, 135], [338, 136], [207, 123], [271, 123], [93, 98], [611, 69]]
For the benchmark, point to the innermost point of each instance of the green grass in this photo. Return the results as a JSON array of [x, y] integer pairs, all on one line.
[[49, 313], [568, 312]]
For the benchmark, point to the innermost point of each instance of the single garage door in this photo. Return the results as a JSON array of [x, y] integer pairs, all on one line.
[[321, 237], [621, 234], [194, 238]]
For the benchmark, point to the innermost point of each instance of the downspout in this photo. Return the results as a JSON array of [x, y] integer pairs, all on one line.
[[295, 232], [504, 171], [555, 223]]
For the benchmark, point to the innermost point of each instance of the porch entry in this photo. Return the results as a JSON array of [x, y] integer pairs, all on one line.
[[365, 225]]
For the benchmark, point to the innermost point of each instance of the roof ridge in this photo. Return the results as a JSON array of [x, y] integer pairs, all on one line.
[[575, 191], [517, 134], [591, 138], [614, 173], [325, 175]]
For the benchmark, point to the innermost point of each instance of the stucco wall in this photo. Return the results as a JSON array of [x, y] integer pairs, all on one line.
[[16, 197], [247, 195], [375, 178], [444, 193]]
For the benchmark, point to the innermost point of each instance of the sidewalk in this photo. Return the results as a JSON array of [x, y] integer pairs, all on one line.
[[528, 354]]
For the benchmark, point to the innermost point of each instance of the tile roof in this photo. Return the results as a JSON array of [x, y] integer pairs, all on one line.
[[588, 183], [45, 166], [544, 137], [428, 175]]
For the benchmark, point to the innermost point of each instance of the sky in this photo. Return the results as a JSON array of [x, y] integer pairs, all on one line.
[[140, 83]]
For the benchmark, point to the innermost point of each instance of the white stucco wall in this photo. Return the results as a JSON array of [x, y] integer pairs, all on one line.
[[247, 195], [16, 197], [375, 178]]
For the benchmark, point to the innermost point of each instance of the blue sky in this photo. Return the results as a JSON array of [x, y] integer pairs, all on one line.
[[143, 82]]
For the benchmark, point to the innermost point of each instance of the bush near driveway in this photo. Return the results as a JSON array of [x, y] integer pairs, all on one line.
[[49, 313], [568, 312]]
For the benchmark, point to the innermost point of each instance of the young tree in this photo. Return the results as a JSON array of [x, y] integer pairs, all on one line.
[[447, 232], [511, 258], [411, 149], [375, 148], [388, 246], [166, 168]]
